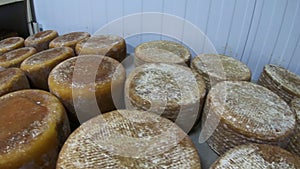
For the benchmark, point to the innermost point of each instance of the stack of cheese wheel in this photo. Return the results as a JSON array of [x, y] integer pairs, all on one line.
[[294, 145], [68, 40], [216, 68], [39, 65], [128, 139], [33, 127], [15, 57], [242, 112], [162, 52], [40, 41], [107, 45], [171, 90], [10, 44], [281, 81], [257, 156], [85, 81], [12, 79]]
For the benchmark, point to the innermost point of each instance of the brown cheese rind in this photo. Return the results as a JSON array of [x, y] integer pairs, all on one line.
[[69, 40], [10, 44], [40, 41], [294, 145], [15, 57]]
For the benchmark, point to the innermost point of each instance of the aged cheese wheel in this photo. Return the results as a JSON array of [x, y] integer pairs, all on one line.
[[257, 156], [33, 127], [12, 79], [294, 145], [216, 68], [108, 45], [68, 40], [162, 52], [247, 113], [38, 66], [11, 43], [15, 57], [168, 89], [128, 139], [281, 81], [40, 41], [86, 80]]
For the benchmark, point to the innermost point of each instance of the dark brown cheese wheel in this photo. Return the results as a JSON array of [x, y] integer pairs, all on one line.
[[171, 90], [257, 156], [107, 45], [39, 65], [40, 41], [216, 68], [15, 57], [162, 52], [247, 113], [12, 79], [10, 44], [69, 40], [281, 81], [33, 127], [128, 139], [85, 81], [294, 145]]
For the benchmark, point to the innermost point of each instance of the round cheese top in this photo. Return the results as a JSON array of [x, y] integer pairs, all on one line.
[[251, 110], [41, 36], [9, 44], [128, 139], [70, 39], [254, 156], [15, 57]]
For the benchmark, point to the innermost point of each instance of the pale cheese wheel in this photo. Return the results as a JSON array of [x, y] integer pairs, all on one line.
[[33, 128], [162, 52], [107, 45], [40, 41], [294, 144], [128, 139], [216, 68], [171, 90], [242, 112], [281, 81], [12, 79], [68, 40], [15, 57], [10, 44], [38, 66], [257, 156]]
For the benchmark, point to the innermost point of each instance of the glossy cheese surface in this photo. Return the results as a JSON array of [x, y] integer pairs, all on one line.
[[15, 57], [69, 39], [40, 41], [11, 43]]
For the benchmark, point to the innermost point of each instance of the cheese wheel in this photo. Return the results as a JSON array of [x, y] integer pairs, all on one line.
[[281, 81], [15, 57], [86, 80], [10, 44], [128, 139], [294, 144], [40, 41], [247, 113], [38, 66], [257, 156], [216, 68], [33, 127], [168, 89], [162, 52], [69, 40], [12, 79], [108, 45]]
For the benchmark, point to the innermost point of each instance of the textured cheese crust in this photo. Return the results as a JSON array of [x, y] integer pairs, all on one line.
[[216, 68], [281, 81], [162, 52], [294, 145], [39, 65], [15, 57], [68, 40], [33, 127], [128, 139], [247, 113], [40, 41], [255, 156], [107, 45], [10, 44]]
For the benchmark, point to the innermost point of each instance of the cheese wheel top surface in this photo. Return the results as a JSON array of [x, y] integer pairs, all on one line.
[[69, 39], [254, 156], [252, 110], [104, 42], [10, 43], [41, 36], [9, 75], [17, 55], [163, 51], [128, 139]]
